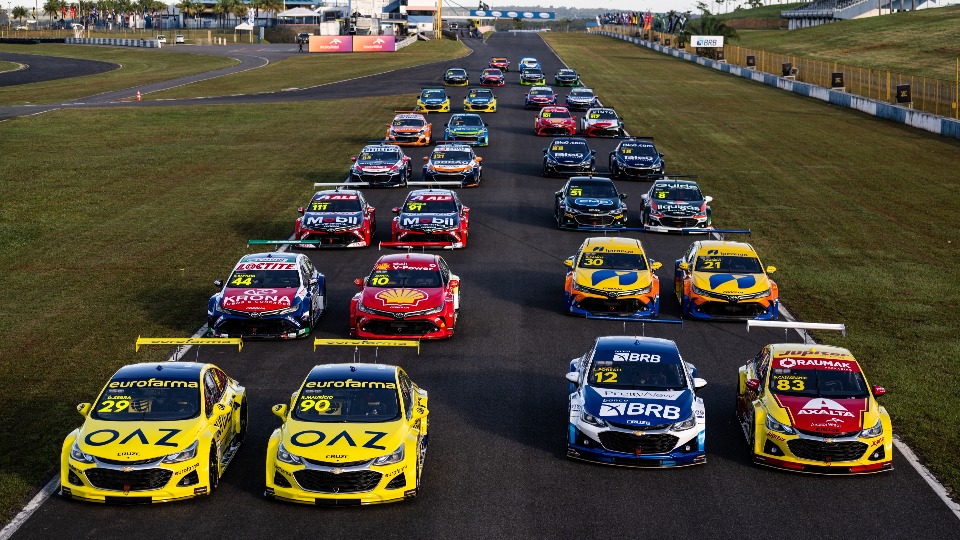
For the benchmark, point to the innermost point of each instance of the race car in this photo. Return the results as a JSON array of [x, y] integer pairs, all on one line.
[[582, 99], [157, 432], [268, 295], [633, 402], [566, 77], [555, 121], [337, 218], [480, 100], [433, 100], [568, 155], [808, 408], [431, 218], [636, 158], [500, 63], [456, 77], [453, 163], [611, 276], [467, 129], [492, 77], [674, 205], [717, 279], [409, 129], [409, 295], [381, 165], [532, 76], [539, 97], [601, 122], [588, 202], [528, 62], [352, 434]]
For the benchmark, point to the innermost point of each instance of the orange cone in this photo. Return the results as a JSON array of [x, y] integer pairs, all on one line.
[[138, 95]]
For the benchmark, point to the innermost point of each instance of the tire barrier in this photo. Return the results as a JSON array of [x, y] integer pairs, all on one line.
[[31, 41], [117, 42]]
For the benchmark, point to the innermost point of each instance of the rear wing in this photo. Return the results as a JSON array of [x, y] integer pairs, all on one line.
[[691, 230], [451, 183], [188, 342], [800, 327], [357, 343], [643, 321], [344, 183], [444, 245]]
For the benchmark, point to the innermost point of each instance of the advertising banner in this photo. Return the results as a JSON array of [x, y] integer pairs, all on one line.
[[330, 44], [706, 41], [374, 44]]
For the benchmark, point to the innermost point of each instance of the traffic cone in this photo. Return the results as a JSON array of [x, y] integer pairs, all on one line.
[[138, 95]]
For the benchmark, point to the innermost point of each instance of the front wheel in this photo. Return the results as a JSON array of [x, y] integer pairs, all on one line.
[[213, 470], [242, 430]]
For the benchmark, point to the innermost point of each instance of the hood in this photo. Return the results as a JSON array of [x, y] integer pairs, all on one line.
[[450, 165], [824, 415], [601, 123], [632, 158], [377, 164], [589, 204], [136, 440], [402, 300], [429, 222], [613, 280], [342, 442], [433, 101], [325, 221], [465, 130], [540, 98], [479, 100], [633, 407], [259, 300], [557, 122], [568, 157], [407, 129], [679, 208], [732, 284]]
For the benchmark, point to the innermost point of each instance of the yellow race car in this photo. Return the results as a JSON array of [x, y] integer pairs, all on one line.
[[809, 408], [156, 433], [720, 280], [352, 434], [611, 276], [433, 100]]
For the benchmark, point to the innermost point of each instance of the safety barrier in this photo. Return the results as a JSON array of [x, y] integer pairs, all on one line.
[[148, 43], [948, 127], [404, 43]]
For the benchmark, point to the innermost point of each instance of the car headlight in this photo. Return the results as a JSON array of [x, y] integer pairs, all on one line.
[[551, 161], [287, 457], [362, 308], [689, 423], [592, 420], [875, 431], [78, 455], [773, 425], [189, 453], [390, 459], [699, 291], [433, 311]]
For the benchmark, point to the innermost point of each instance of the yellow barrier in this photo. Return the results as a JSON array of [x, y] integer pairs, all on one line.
[[180, 342]]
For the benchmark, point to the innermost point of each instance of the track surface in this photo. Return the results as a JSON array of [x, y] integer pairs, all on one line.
[[496, 467], [49, 68]]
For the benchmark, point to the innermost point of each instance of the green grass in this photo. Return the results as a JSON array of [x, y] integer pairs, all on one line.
[[762, 12], [96, 249], [139, 66], [308, 70], [857, 237], [8, 66], [924, 43]]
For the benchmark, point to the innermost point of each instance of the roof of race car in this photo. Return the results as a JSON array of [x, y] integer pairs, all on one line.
[[461, 147], [160, 370], [613, 244], [480, 92], [456, 69], [421, 192], [670, 182], [669, 354], [410, 116], [336, 192], [528, 59], [723, 247], [409, 258], [565, 71], [381, 148], [554, 109], [498, 58], [426, 91], [276, 256], [366, 372], [590, 181]]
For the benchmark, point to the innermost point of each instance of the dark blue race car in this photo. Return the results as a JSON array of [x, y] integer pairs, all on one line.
[[568, 155]]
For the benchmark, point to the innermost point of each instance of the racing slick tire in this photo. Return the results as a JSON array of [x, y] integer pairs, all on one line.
[[242, 430], [213, 470], [751, 442]]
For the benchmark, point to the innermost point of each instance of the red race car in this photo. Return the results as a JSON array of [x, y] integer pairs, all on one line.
[[406, 296], [492, 77], [500, 63], [430, 218], [555, 121], [337, 218]]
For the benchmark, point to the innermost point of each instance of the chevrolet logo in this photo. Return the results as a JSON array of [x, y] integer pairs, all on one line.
[[336, 470], [638, 433], [127, 469]]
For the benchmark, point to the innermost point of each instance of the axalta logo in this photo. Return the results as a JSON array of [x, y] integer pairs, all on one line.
[[623, 408], [816, 363], [627, 356], [826, 407], [402, 297]]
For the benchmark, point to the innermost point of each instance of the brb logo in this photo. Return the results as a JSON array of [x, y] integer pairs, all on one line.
[[627, 356], [623, 408]]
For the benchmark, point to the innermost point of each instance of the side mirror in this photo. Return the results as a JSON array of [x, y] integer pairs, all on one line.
[[371, 209], [354, 159], [645, 196], [559, 193], [683, 266], [395, 209], [573, 377], [656, 266], [419, 411], [708, 198], [699, 383], [301, 210], [660, 154], [425, 159], [568, 262], [544, 150], [753, 384], [479, 159], [771, 269], [281, 411], [313, 281], [454, 283], [84, 408], [218, 283], [592, 151], [358, 282], [388, 125], [878, 391], [623, 196]]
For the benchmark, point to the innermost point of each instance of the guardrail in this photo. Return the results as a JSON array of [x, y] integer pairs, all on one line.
[[401, 44], [119, 42]]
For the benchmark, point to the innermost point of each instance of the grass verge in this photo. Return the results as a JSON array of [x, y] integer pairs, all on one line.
[[858, 237], [94, 255], [8, 66], [923, 43], [138, 67], [308, 70]]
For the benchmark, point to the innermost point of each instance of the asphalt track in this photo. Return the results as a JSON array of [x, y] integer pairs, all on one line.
[[496, 467], [49, 68]]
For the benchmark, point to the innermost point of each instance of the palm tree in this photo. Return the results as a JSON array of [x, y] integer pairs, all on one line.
[[274, 6], [53, 9], [192, 9], [708, 26], [20, 12], [239, 9], [223, 7]]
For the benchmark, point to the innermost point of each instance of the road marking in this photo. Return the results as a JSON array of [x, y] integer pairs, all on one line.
[[30, 508]]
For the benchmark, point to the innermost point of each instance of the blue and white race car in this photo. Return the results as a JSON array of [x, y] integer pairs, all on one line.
[[633, 402]]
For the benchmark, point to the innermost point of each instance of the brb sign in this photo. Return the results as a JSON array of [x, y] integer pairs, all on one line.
[[706, 41]]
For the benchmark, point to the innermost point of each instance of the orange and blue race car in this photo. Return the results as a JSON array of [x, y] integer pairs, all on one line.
[[612, 276], [717, 279], [409, 129], [809, 408]]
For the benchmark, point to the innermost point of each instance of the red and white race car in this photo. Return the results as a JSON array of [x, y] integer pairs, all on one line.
[[430, 218], [406, 296], [601, 122], [492, 77], [555, 121], [337, 218]]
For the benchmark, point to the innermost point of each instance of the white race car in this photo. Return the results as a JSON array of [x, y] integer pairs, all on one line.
[[601, 122]]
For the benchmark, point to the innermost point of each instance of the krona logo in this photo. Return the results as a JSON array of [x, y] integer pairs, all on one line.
[[401, 297], [823, 406]]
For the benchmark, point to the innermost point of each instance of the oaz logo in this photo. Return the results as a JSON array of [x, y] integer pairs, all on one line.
[[106, 436], [306, 439]]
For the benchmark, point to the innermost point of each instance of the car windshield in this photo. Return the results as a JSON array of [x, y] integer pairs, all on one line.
[[818, 383], [379, 155], [348, 401], [546, 92], [566, 72], [438, 205], [482, 94], [493, 72], [676, 192], [389, 279], [466, 121], [573, 147], [335, 203], [612, 261], [582, 93], [740, 264], [408, 122], [265, 279], [532, 71], [456, 73], [606, 191], [148, 399], [624, 375], [555, 114], [603, 114], [451, 155], [433, 94], [638, 150]]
